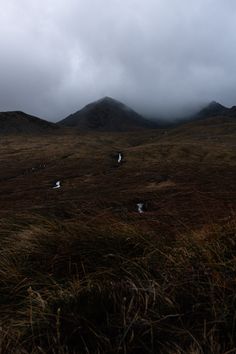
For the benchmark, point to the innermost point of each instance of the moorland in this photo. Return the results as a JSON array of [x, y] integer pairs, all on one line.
[[82, 271]]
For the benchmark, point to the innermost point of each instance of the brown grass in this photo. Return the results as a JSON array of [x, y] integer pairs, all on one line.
[[107, 287], [82, 272]]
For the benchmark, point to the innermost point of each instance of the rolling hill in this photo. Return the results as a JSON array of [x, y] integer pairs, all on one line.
[[14, 122]]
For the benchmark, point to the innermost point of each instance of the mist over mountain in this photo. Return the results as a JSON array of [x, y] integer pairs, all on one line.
[[212, 109], [118, 208], [160, 57], [108, 114]]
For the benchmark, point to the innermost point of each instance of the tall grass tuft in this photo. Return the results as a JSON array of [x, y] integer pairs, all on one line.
[[108, 286]]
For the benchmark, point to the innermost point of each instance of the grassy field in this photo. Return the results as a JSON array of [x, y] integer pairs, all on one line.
[[81, 271]]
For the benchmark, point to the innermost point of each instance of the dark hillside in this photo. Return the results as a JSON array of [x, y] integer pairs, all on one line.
[[15, 122], [107, 114]]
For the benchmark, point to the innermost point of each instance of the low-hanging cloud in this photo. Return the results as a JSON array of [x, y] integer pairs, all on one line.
[[160, 56]]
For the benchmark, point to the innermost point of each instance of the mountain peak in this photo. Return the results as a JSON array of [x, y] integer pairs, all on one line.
[[215, 105], [212, 109], [107, 99], [107, 114]]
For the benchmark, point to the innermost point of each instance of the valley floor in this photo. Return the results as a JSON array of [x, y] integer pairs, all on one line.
[[82, 271]]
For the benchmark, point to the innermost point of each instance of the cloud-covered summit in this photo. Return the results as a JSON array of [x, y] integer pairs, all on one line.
[[160, 57]]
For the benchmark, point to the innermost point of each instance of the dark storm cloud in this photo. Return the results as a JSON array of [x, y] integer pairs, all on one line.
[[164, 56]]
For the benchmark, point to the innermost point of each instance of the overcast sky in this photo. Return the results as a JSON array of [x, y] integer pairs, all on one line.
[[159, 56]]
